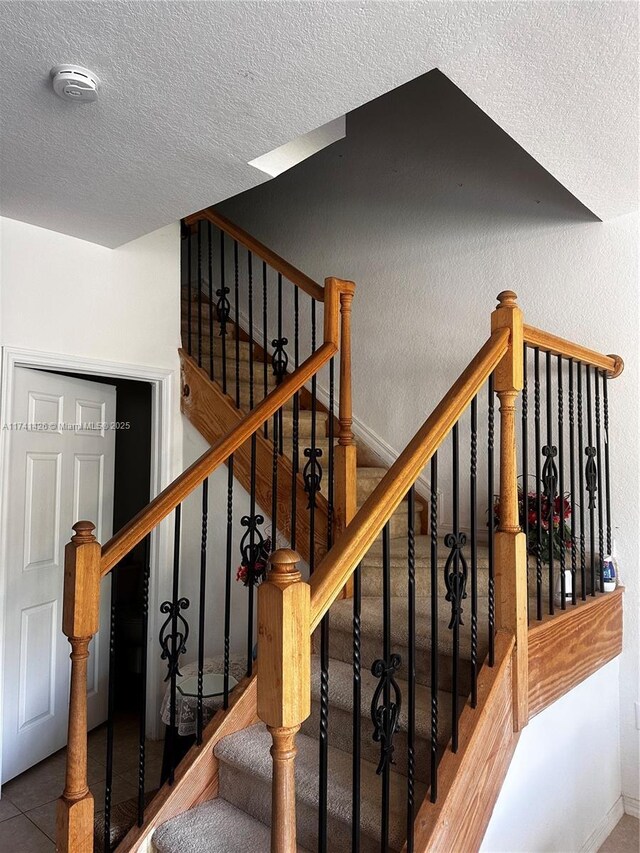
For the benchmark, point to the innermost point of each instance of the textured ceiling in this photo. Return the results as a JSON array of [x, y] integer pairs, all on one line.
[[192, 91]]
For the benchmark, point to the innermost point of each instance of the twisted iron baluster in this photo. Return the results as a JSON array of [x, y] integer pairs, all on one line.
[[433, 526], [607, 478], [227, 583], [411, 693], [525, 461], [563, 580], [490, 487], [356, 711], [142, 735], [572, 487], [583, 555], [473, 476], [538, 440], [596, 379]]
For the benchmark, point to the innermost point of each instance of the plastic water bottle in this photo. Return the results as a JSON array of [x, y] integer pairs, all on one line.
[[609, 574]]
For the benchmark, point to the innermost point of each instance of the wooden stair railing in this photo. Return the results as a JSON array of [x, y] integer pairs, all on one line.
[[86, 562], [283, 683]]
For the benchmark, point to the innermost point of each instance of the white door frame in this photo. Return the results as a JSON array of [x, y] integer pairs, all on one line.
[[160, 543]]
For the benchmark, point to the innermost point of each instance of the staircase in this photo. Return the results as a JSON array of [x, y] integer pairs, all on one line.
[[393, 658]]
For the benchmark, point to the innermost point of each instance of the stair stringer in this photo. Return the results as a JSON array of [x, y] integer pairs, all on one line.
[[470, 780], [214, 414], [196, 777]]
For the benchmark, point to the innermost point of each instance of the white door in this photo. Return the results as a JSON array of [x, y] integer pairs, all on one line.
[[61, 470]]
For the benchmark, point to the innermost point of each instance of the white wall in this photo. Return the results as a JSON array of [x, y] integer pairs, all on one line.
[[578, 737], [65, 296], [433, 210]]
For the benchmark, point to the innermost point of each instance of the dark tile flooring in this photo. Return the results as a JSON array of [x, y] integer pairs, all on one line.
[[28, 804]]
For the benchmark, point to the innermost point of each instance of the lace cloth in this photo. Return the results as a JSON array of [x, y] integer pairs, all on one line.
[[187, 706]]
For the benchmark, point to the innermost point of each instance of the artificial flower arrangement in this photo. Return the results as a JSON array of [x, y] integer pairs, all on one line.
[[260, 567], [561, 532]]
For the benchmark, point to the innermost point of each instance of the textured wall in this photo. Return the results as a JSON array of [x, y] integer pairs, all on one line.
[[433, 210]]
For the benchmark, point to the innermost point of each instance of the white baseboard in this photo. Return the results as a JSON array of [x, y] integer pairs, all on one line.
[[604, 829], [631, 806]]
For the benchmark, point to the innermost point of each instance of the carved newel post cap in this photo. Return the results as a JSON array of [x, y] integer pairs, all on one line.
[[83, 532], [507, 299], [283, 566]]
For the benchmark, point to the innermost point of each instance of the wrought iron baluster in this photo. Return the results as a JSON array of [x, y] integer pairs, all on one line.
[[173, 639], [356, 712], [491, 490], [250, 556], [538, 443], [601, 554], [473, 497], [265, 342], [591, 480], [111, 690], [411, 674], [583, 556], [295, 462], [525, 459], [223, 311], [274, 480], [250, 301], [561, 507], [572, 481], [199, 245], [433, 527], [236, 308], [227, 583], [385, 711], [210, 253], [550, 477], [455, 579], [142, 728], [607, 476], [202, 605], [189, 294], [312, 473]]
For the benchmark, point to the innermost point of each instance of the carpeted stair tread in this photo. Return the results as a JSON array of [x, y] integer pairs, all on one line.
[[215, 826], [247, 752]]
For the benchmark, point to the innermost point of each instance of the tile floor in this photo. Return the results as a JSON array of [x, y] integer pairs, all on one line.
[[625, 838], [28, 804]]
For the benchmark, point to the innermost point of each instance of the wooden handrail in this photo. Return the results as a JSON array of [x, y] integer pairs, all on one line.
[[338, 565], [291, 273], [613, 364], [168, 499]]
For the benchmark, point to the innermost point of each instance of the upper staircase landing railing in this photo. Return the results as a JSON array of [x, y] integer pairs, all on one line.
[[86, 562], [289, 610]]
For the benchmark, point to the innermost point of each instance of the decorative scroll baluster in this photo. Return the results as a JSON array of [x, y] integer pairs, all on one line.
[[173, 639], [601, 554], [572, 481], [252, 546], [223, 311], [142, 732], [433, 527], [227, 582], [210, 257], [583, 557], [591, 480], [607, 478], [356, 713], [279, 358], [473, 497], [563, 581], [550, 478], [411, 674], [538, 442], [280, 362], [202, 605], [491, 492], [312, 472], [385, 711], [199, 245]]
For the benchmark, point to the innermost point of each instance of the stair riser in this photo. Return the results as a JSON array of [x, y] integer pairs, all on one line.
[[244, 370], [341, 737], [341, 647], [366, 485], [372, 582], [230, 351], [254, 797]]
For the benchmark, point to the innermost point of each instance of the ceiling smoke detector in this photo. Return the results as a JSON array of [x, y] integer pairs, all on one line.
[[74, 83]]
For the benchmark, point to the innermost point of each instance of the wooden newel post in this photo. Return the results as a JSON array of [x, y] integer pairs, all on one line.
[[284, 683], [80, 621], [345, 454], [510, 542]]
